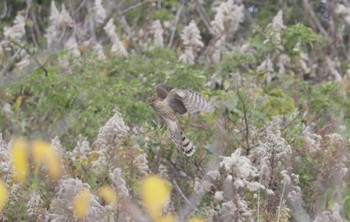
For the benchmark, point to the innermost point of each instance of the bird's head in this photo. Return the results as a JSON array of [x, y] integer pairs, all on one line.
[[152, 100]]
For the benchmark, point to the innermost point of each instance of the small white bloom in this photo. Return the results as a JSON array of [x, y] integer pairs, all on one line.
[[193, 43], [214, 174], [277, 21], [191, 36], [65, 20], [157, 31], [99, 12], [72, 46], [266, 65], [228, 17], [219, 195], [238, 183], [117, 46], [119, 183], [33, 205], [202, 186], [17, 31], [99, 50], [188, 56], [286, 178]]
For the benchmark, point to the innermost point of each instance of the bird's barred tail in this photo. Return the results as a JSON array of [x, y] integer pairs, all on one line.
[[187, 146], [182, 141]]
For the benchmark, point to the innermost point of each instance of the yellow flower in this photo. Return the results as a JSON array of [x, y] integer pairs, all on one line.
[[3, 195], [155, 193], [196, 219], [108, 194], [167, 218], [81, 203], [43, 153], [19, 157], [19, 101]]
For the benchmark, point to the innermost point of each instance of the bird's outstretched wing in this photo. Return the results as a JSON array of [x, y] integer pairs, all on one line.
[[188, 101], [169, 103], [163, 90]]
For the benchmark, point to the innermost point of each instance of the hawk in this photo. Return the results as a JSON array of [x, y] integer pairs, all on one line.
[[172, 102]]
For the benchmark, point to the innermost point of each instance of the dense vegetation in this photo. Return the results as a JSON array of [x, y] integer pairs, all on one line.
[[78, 74]]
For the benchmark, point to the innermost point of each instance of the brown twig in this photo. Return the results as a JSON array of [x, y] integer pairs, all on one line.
[[123, 21], [6, 66], [313, 17], [204, 17], [245, 122], [134, 7], [36, 29], [177, 170], [180, 192], [4, 13], [121, 3], [132, 209], [29, 53], [259, 2], [219, 147], [90, 22], [178, 15], [81, 5], [291, 122]]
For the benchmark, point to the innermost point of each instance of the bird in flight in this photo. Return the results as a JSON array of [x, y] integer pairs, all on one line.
[[172, 102]]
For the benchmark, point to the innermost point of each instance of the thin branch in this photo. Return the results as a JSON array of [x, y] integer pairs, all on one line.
[[291, 122], [177, 170], [178, 15], [5, 67], [121, 3], [313, 17], [258, 201], [81, 5], [180, 192], [132, 209], [35, 43], [134, 7], [90, 22], [219, 147], [29, 53], [123, 21], [14, 56], [4, 13], [35, 31], [280, 204], [204, 17], [245, 122], [259, 2]]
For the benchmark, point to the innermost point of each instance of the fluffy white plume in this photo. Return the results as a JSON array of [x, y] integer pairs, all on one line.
[[17, 31], [99, 12], [157, 31], [117, 46], [228, 17], [241, 169], [193, 42], [344, 11]]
